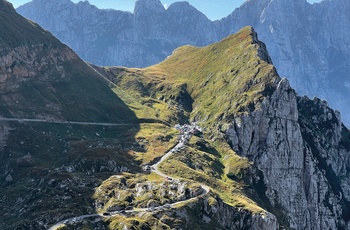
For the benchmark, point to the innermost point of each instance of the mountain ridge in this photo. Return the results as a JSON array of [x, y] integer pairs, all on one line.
[[304, 44]]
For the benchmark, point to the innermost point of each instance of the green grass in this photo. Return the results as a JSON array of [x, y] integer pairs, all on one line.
[[231, 191], [223, 78], [158, 138]]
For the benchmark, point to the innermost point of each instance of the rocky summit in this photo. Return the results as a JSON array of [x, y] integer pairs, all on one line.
[[308, 42], [210, 138]]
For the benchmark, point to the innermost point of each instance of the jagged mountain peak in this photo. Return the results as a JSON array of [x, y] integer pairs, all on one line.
[[295, 32], [88, 7], [52, 2], [183, 5], [232, 87], [262, 50], [48, 6], [184, 8], [84, 3], [148, 7]]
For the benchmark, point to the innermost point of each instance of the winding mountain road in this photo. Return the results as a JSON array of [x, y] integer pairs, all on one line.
[[186, 134]]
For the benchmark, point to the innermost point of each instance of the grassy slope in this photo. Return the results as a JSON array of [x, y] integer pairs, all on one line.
[[208, 85], [214, 82], [223, 78]]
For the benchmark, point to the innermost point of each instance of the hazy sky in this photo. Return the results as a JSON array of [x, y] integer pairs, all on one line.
[[214, 9]]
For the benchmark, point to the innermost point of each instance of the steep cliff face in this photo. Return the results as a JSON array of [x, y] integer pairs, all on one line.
[[308, 43], [305, 169], [300, 155], [231, 218]]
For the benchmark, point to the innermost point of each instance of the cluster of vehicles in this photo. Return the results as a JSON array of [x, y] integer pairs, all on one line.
[[147, 168], [71, 220], [186, 133]]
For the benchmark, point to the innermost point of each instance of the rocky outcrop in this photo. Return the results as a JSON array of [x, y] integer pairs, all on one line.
[[214, 212], [23, 63], [300, 155], [307, 43]]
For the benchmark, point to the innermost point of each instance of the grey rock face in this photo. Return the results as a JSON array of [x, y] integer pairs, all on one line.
[[111, 37], [236, 218], [297, 144], [309, 44]]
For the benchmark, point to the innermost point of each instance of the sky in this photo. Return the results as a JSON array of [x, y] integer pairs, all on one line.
[[213, 9]]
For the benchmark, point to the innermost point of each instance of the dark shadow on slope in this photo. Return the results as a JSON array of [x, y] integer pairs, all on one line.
[[48, 171], [312, 132], [53, 168]]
